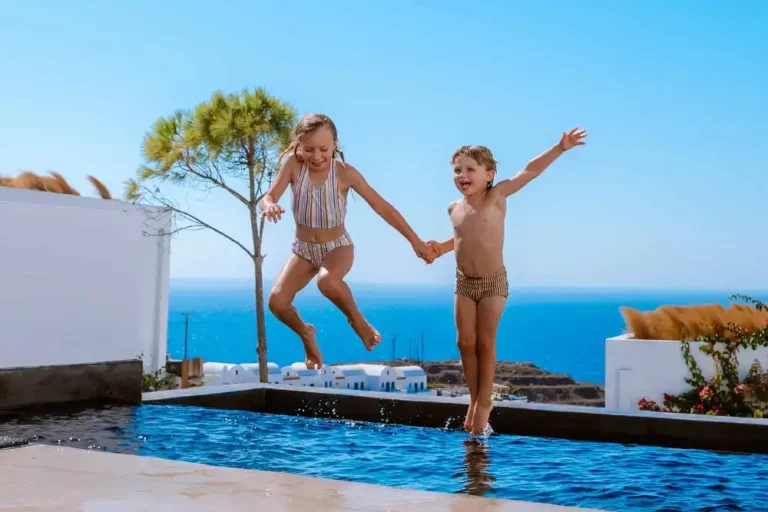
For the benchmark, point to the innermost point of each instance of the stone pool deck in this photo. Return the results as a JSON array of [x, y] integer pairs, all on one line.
[[39, 477]]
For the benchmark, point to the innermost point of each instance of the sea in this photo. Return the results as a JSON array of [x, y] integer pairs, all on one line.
[[559, 330]]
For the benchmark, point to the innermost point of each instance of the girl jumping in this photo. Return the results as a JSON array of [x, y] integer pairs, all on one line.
[[322, 247]]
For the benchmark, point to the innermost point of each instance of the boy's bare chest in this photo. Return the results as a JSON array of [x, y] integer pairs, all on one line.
[[470, 220]]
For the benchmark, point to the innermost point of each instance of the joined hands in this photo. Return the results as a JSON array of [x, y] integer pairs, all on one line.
[[429, 251], [424, 251]]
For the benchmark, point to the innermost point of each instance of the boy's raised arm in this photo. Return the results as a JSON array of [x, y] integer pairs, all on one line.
[[539, 164]]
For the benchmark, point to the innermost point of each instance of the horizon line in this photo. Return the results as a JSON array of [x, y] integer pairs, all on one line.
[[430, 285]]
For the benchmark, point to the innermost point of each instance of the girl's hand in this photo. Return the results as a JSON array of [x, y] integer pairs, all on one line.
[[273, 212], [572, 138], [436, 247], [424, 251]]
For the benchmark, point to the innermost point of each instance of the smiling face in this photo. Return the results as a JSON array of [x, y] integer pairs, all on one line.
[[316, 148], [470, 176]]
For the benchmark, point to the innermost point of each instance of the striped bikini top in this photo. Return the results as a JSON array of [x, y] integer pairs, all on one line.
[[318, 206]]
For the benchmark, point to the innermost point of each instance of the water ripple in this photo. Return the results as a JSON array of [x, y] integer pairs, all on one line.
[[598, 475]]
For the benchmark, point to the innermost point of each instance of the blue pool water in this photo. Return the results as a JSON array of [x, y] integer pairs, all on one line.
[[597, 475]]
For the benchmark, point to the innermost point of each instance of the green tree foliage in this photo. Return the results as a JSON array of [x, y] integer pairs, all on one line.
[[230, 143]]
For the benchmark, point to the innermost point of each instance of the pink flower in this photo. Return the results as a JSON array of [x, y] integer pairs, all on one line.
[[740, 389], [706, 393]]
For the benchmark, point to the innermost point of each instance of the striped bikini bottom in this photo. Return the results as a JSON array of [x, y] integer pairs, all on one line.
[[316, 253], [479, 287]]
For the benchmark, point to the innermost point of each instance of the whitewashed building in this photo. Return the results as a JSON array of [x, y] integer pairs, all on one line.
[[299, 375], [377, 376], [274, 374], [327, 377], [236, 374], [215, 374], [338, 377], [411, 379], [219, 374], [222, 374], [380, 377], [354, 377]]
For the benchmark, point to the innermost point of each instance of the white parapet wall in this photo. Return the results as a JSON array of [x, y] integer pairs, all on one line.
[[82, 280], [636, 369]]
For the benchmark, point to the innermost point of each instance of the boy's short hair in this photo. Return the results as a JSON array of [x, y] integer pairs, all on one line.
[[479, 154]]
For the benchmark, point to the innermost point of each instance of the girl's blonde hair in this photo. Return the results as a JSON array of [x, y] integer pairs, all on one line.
[[308, 124]]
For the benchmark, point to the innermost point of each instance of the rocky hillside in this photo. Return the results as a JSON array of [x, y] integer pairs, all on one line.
[[525, 379]]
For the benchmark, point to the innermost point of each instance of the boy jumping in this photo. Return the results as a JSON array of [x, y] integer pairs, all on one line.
[[481, 278]]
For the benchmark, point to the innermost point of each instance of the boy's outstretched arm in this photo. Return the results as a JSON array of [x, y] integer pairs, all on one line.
[[539, 164]]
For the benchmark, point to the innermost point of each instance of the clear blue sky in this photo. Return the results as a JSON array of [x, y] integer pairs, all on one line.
[[671, 190]]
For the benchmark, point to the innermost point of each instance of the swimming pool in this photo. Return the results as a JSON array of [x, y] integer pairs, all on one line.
[[598, 475]]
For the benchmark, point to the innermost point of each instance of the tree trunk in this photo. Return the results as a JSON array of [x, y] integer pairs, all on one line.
[[258, 264], [261, 330]]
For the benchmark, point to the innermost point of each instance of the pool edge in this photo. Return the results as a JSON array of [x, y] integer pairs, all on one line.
[[741, 435]]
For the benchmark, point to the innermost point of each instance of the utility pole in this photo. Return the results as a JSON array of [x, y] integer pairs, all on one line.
[[422, 346], [186, 332], [185, 362], [394, 347]]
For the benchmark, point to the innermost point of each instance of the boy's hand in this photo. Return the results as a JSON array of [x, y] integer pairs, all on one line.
[[437, 247], [572, 138], [273, 212], [424, 251]]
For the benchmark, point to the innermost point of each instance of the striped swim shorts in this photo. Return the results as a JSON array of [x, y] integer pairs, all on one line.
[[479, 287], [316, 253]]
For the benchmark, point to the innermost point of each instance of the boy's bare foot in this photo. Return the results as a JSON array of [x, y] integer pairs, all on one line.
[[313, 357], [367, 333], [483, 408], [470, 414]]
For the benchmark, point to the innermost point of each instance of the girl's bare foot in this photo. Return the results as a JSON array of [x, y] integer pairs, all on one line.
[[470, 414], [314, 359], [483, 408], [367, 333]]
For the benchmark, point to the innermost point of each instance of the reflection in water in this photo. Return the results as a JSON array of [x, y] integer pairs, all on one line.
[[101, 427], [478, 480]]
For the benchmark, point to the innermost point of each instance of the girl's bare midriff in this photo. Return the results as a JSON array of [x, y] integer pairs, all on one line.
[[319, 236]]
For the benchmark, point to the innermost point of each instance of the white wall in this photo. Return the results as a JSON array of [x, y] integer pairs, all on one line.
[[80, 280], [636, 369]]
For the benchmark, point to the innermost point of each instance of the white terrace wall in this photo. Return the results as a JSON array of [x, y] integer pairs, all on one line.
[[82, 280], [636, 369]]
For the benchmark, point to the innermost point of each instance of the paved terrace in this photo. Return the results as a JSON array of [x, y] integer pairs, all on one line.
[[39, 477]]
